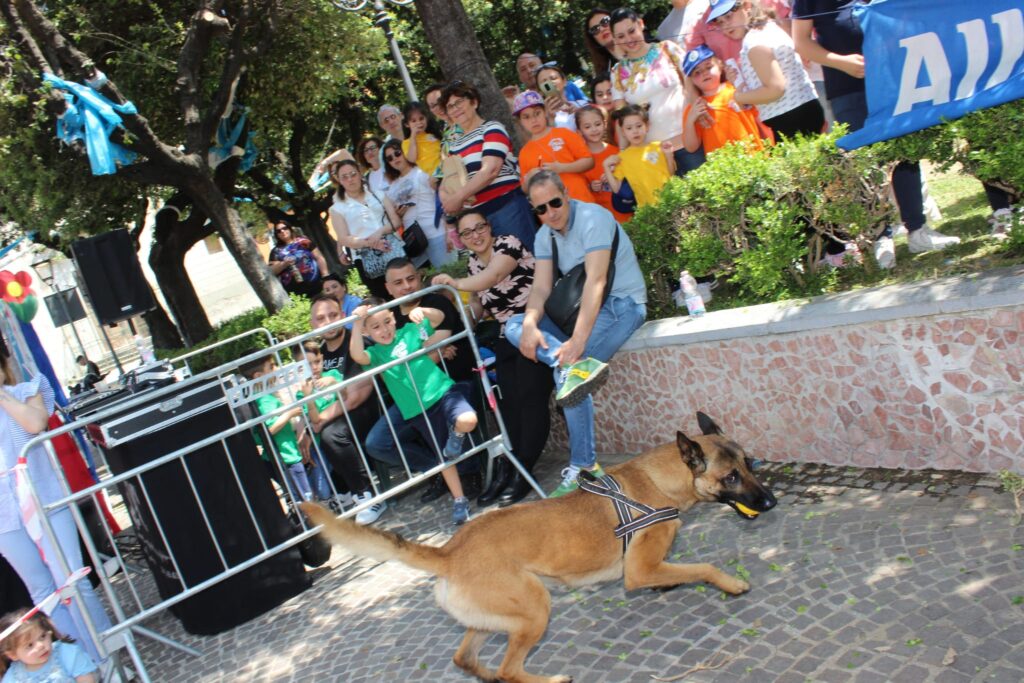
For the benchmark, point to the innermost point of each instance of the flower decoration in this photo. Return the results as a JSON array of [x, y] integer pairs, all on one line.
[[15, 287]]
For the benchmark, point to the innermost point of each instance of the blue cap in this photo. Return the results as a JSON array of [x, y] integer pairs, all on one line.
[[699, 54], [720, 7]]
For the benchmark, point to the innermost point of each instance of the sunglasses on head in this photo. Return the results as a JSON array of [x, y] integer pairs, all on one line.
[[542, 209], [603, 24], [545, 65]]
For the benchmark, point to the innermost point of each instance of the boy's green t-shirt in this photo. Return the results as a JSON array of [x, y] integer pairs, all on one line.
[[431, 382], [326, 400], [285, 440]]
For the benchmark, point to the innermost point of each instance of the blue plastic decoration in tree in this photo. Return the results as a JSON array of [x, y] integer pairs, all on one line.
[[92, 118]]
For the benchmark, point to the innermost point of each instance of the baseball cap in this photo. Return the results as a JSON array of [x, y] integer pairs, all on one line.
[[525, 100], [694, 57], [720, 7]]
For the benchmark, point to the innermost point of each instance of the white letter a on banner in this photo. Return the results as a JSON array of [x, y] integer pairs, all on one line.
[[924, 52]]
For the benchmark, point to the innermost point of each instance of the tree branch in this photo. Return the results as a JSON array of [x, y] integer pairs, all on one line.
[[205, 23], [29, 47], [295, 153]]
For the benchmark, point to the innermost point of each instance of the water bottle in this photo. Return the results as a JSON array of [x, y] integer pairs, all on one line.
[[694, 302], [145, 349], [296, 273]]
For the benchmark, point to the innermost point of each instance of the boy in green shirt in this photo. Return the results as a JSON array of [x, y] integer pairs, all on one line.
[[425, 396], [281, 431]]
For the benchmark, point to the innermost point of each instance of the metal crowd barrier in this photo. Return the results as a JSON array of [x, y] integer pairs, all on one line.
[[130, 593]]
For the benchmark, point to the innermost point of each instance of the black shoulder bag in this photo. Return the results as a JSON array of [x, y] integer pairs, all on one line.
[[563, 304]]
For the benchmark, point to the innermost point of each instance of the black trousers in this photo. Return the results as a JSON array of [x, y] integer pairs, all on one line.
[[526, 388], [339, 445]]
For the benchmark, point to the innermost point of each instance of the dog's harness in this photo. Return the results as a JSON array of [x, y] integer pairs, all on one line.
[[607, 487]]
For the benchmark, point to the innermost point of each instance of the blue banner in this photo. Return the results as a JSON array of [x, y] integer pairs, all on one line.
[[932, 60]]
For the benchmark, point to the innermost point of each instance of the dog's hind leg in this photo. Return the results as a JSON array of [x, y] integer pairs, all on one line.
[[646, 566], [527, 617], [466, 658]]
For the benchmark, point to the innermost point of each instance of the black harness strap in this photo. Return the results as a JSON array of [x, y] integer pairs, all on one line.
[[607, 487]]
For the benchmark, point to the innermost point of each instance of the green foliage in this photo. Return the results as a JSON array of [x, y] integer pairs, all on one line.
[[291, 321], [986, 144], [753, 217]]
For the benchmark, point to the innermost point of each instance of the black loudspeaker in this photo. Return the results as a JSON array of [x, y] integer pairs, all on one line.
[[112, 276]]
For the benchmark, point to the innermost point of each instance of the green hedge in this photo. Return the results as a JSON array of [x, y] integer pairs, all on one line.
[[759, 219], [291, 321]]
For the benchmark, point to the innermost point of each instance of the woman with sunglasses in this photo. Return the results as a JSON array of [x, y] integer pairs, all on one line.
[[296, 261], [588, 235], [500, 276], [368, 158], [597, 35], [412, 193], [363, 220], [650, 75], [491, 166]]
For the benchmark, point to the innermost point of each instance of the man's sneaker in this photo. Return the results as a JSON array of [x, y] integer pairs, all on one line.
[[569, 477], [460, 511], [885, 252], [1001, 222], [928, 239], [370, 514], [581, 379]]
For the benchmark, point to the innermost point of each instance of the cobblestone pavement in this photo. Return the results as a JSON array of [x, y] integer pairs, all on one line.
[[857, 575]]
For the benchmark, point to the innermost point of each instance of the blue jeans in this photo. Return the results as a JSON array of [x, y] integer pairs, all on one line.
[[437, 251], [515, 217], [319, 475], [618, 318], [41, 579], [380, 444]]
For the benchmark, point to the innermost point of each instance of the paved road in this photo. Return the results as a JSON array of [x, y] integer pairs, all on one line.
[[858, 575]]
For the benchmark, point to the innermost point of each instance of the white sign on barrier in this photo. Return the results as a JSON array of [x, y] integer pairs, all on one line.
[[284, 376]]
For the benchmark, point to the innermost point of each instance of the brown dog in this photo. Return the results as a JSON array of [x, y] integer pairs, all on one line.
[[491, 571]]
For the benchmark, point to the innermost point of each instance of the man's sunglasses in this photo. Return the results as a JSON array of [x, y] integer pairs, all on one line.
[[603, 24], [542, 209]]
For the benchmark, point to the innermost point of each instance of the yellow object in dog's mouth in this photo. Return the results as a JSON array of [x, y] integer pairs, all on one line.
[[745, 510]]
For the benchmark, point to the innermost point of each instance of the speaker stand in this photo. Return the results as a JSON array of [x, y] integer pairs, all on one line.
[[117, 361]]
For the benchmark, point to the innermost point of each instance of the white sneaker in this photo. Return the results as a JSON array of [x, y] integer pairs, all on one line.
[[1001, 222], [928, 239], [370, 514], [885, 252]]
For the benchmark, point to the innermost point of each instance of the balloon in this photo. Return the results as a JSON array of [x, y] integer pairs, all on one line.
[[27, 309]]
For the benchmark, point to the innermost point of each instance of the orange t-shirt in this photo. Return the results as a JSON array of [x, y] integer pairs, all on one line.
[[563, 146], [732, 123], [604, 198]]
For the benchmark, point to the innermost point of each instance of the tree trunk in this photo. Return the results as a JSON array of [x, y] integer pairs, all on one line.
[[451, 34], [161, 328], [208, 198], [172, 238]]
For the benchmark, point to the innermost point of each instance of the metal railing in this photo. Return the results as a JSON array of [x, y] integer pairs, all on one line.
[[176, 407]]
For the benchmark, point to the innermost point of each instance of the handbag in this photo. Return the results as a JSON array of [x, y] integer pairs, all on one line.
[[414, 239], [375, 262], [563, 304]]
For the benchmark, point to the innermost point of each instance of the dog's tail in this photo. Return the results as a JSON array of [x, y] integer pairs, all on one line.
[[377, 544]]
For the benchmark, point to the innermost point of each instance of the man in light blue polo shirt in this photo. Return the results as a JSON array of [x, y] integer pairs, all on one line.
[[583, 233]]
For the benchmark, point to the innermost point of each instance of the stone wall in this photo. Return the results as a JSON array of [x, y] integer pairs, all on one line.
[[926, 375]]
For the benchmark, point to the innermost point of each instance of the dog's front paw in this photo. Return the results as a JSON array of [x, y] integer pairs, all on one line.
[[733, 585]]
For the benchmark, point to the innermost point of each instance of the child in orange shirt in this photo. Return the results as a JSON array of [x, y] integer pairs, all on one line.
[[591, 123], [552, 149], [715, 119]]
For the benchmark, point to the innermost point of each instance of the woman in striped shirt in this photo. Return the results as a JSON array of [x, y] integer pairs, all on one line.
[[486, 150]]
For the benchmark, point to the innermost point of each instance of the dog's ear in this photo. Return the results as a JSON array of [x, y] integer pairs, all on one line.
[[707, 425], [691, 452]]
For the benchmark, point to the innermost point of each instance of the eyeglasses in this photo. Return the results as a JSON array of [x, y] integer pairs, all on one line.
[[281, 228], [456, 104], [348, 176], [603, 24], [542, 209], [475, 230], [392, 156], [370, 148]]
